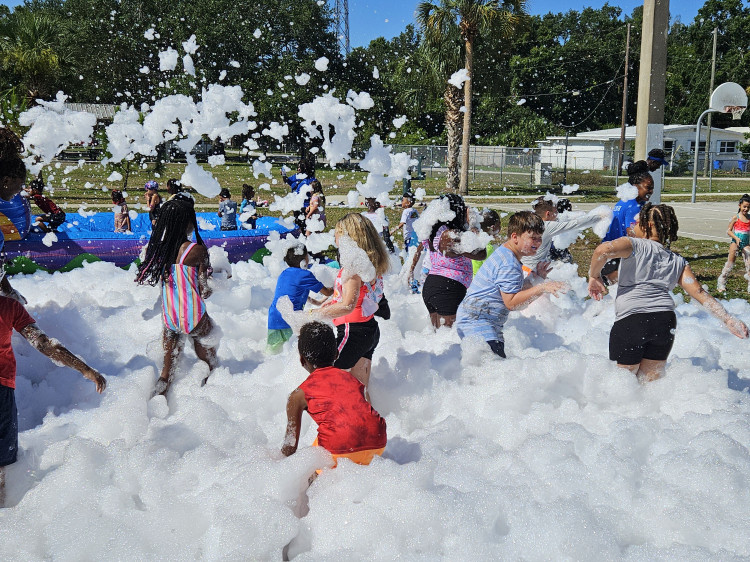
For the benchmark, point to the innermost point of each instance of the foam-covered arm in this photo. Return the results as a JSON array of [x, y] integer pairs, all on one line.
[[695, 290], [295, 405]]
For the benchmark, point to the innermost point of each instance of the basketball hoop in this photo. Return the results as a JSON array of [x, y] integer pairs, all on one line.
[[735, 110]]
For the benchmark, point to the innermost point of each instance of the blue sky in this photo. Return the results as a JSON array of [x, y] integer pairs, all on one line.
[[369, 19]]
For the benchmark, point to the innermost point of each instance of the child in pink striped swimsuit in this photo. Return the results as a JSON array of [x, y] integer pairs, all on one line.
[[183, 267]]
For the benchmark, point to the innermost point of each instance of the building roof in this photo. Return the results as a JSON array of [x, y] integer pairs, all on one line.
[[614, 134], [102, 111]]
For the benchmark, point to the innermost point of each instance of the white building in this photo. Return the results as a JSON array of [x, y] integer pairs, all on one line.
[[599, 150]]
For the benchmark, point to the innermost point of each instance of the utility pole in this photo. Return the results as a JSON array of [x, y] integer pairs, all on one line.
[[624, 102], [707, 152], [341, 20], [651, 84]]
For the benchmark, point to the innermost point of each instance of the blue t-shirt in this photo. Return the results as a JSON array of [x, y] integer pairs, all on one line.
[[295, 283], [228, 210], [623, 217], [483, 311], [296, 184]]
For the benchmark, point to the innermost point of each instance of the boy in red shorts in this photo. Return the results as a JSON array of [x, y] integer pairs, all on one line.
[[347, 425], [14, 316]]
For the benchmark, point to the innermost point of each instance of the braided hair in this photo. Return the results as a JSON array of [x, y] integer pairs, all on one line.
[[11, 163], [170, 232], [458, 222], [664, 221]]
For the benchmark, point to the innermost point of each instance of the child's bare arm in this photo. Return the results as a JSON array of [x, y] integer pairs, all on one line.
[[198, 257], [60, 354], [347, 303], [620, 248], [514, 301], [695, 290], [294, 408]]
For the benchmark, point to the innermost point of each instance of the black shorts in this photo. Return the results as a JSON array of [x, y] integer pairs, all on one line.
[[642, 336], [54, 219], [356, 340], [8, 426], [442, 295]]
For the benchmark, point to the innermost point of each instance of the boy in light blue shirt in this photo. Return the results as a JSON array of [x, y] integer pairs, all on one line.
[[499, 286]]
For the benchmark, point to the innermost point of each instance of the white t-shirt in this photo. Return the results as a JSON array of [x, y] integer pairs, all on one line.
[[408, 216], [377, 218]]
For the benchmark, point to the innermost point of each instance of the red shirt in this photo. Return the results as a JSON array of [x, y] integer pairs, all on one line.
[[346, 421], [46, 204], [12, 316]]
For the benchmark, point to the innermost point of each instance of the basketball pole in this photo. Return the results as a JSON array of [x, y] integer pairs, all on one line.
[[649, 122]]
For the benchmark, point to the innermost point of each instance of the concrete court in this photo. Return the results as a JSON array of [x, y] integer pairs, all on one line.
[[705, 221]]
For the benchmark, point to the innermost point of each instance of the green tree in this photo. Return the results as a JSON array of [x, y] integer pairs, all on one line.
[[473, 18]]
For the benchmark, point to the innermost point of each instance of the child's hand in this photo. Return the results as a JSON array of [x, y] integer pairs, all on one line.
[[543, 268], [597, 290], [555, 287], [96, 378], [737, 327]]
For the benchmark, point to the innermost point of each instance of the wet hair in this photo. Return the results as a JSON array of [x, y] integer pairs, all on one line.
[[490, 218], [295, 255], [117, 196], [170, 232], [225, 193], [664, 219], [37, 184], [174, 186], [458, 222], [11, 163], [362, 232], [638, 172], [317, 344], [564, 205], [525, 221], [541, 205], [248, 191], [744, 199]]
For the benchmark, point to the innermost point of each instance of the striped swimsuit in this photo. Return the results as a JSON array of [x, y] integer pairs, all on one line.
[[182, 304], [742, 231]]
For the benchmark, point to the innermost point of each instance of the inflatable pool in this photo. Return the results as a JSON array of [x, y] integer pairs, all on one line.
[[85, 238]]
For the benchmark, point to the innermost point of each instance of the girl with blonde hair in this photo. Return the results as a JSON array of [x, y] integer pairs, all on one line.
[[357, 294]]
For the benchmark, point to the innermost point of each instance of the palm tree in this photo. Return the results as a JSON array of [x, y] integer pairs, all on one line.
[[29, 50], [435, 64], [473, 18]]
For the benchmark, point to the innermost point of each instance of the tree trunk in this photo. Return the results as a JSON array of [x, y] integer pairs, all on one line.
[[453, 98], [466, 143]]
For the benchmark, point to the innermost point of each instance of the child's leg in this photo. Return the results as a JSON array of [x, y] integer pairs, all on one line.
[[721, 284], [205, 347], [650, 370], [172, 343], [361, 371]]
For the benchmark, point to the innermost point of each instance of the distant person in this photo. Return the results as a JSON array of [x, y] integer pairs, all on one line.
[[174, 188], [13, 316], [563, 206], [295, 282], [499, 286], [739, 234], [182, 268], [299, 183], [12, 178], [656, 159], [380, 220], [645, 323], [408, 216], [490, 225], [248, 208], [52, 216], [227, 210], [153, 200], [122, 216], [315, 213], [625, 213], [348, 426]]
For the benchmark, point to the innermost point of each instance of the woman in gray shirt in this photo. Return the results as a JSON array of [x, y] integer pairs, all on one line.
[[643, 332]]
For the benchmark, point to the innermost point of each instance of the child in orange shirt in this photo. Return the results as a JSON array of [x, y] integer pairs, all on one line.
[[347, 425]]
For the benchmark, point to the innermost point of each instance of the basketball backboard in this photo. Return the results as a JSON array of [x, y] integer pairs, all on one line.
[[728, 97]]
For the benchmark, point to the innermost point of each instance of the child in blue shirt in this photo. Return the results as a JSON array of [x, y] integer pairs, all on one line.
[[297, 283], [499, 286]]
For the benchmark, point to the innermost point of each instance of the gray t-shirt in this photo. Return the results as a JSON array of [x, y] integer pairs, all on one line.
[[228, 210], [646, 279]]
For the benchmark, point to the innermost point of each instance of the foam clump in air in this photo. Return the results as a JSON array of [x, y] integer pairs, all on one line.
[[53, 128], [359, 101], [384, 168], [458, 78], [321, 65], [627, 192], [438, 210], [168, 59], [276, 131], [568, 189], [302, 79], [398, 122], [322, 114]]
